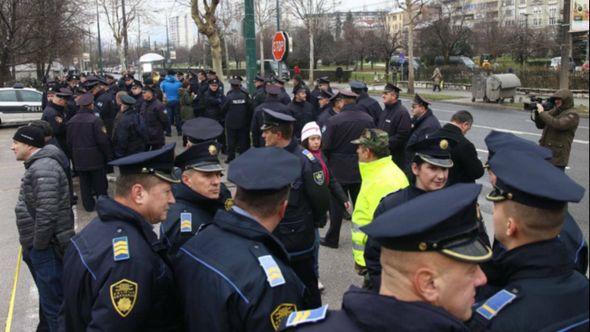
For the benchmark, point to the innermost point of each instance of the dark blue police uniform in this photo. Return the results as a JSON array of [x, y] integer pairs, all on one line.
[[238, 113], [366, 102], [422, 126], [534, 286], [234, 275], [118, 278], [129, 135], [395, 120], [272, 102]]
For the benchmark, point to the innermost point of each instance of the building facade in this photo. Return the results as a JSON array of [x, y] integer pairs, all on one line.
[[182, 31]]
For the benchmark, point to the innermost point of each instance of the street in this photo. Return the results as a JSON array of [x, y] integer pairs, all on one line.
[[336, 265]]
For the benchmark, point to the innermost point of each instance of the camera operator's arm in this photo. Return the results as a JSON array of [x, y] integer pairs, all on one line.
[[535, 117], [567, 122]]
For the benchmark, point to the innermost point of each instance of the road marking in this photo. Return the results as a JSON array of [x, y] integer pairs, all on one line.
[[13, 292]]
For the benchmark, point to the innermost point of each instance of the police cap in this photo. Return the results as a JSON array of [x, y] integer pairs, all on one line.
[[214, 81], [434, 149], [128, 100], [443, 221], [421, 101], [273, 90], [64, 92], [201, 129], [344, 94], [259, 78], [73, 77], [264, 169], [85, 99], [157, 162], [390, 87], [529, 179], [357, 85], [136, 84], [497, 140], [235, 82], [325, 95], [323, 80], [200, 157], [109, 76], [278, 80], [272, 119]]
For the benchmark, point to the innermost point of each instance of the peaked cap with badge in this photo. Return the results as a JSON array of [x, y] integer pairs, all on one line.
[[434, 149], [201, 129], [273, 119], [202, 157], [159, 163]]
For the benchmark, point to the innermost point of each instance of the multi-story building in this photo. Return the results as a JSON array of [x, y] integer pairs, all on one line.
[[395, 21], [182, 31]]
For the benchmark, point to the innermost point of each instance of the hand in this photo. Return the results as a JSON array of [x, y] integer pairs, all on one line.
[[540, 108], [347, 205], [59, 119]]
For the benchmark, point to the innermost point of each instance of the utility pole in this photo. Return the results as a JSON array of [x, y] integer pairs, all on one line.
[[566, 44], [125, 41], [250, 41], [167, 46], [525, 56], [99, 42], [278, 29]]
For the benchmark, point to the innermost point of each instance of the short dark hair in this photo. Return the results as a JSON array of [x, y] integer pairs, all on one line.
[[44, 125], [462, 117], [125, 182], [263, 203], [381, 153], [171, 72], [286, 130]]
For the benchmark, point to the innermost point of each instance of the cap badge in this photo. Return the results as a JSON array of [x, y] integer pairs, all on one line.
[[422, 246], [212, 150], [444, 144]]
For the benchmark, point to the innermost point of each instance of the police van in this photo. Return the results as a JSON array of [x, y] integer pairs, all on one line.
[[19, 105]]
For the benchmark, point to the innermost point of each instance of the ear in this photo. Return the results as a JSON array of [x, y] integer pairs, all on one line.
[[138, 194], [424, 282], [511, 227], [415, 169], [186, 179], [283, 209]]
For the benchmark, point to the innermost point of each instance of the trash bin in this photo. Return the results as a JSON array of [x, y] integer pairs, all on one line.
[[478, 87], [501, 86]]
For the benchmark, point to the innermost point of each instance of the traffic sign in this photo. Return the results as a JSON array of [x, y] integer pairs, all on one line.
[[280, 48]]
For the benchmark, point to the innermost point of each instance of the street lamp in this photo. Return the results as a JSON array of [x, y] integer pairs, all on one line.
[[526, 39]]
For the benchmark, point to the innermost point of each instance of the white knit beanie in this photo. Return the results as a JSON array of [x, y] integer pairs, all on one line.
[[310, 129]]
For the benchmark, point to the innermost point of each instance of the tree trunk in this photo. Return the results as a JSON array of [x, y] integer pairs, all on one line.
[[261, 54], [121, 54], [216, 54], [311, 57], [410, 48], [226, 53]]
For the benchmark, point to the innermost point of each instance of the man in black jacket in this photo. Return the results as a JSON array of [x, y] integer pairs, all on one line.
[[423, 123], [130, 132], [395, 120], [55, 114], [366, 102], [238, 112], [156, 119], [91, 150], [301, 109], [466, 165], [283, 96], [324, 100], [272, 102], [259, 94]]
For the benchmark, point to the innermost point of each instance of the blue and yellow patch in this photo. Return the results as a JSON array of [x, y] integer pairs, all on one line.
[[274, 276], [308, 154], [186, 222], [307, 316], [494, 304], [121, 249]]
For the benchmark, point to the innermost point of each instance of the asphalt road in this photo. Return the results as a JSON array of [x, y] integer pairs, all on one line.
[[336, 267]]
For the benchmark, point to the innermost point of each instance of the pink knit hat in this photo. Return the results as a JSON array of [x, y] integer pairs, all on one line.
[[310, 129]]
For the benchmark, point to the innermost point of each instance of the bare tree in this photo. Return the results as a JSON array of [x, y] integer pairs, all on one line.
[[448, 28], [412, 10], [204, 16], [387, 41], [229, 14], [264, 12], [311, 12]]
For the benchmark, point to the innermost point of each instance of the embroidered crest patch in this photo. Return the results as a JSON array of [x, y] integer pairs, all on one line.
[[124, 296], [281, 312], [319, 178]]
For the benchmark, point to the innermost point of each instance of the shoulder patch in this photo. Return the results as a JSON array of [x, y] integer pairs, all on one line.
[[319, 178], [229, 203], [308, 154], [186, 222], [274, 276], [121, 249], [123, 296], [307, 316], [490, 308], [281, 312]]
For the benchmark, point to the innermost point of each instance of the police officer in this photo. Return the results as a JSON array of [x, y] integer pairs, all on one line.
[[137, 92], [571, 235], [423, 123], [341, 129], [322, 84], [395, 120], [309, 200], [104, 102], [130, 132], [466, 165], [238, 112], [212, 101], [430, 171], [272, 102], [118, 278], [55, 114], [259, 94], [532, 285], [301, 109], [430, 261], [324, 100], [283, 96], [299, 83], [91, 150], [156, 119], [365, 102], [199, 130], [234, 274], [198, 196]]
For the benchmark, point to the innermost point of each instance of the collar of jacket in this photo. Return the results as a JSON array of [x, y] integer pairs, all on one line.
[[185, 193], [347, 108], [249, 228], [417, 121], [374, 312], [374, 167], [109, 210], [393, 106], [531, 261], [57, 107], [292, 146]]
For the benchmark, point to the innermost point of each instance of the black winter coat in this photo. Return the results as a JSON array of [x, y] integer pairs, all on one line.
[[56, 116], [466, 165], [105, 105], [88, 142], [422, 126], [128, 136], [370, 106], [303, 113], [210, 105], [273, 103], [237, 109], [156, 120], [326, 112], [396, 121]]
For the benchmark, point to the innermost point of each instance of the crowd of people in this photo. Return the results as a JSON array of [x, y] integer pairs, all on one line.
[[249, 260]]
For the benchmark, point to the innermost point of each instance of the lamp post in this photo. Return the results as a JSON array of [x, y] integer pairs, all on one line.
[[99, 42]]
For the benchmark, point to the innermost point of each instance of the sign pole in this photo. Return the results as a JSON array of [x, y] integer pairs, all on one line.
[[250, 40], [278, 29]]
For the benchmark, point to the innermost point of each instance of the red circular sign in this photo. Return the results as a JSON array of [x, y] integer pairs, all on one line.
[[279, 46]]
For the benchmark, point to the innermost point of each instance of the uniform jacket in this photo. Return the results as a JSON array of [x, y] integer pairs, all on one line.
[[273, 103], [309, 198], [170, 86], [396, 121], [372, 248], [105, 105], [422, 126], [370, 106], [379, 178], [51, 113], [284, 97], [237, 109], [466, 165], [222, 264], [201, 209], [364, 311], [156, 119], [303, 86], [303, 113], [259, 96], [550, 294], [128, 137], [44, 215], [88, 141], [118, 279], [210, 105], [326, 112], [559, 128], [342, 128]]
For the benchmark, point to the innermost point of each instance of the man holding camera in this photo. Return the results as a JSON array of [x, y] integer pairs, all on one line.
[[559, 126]]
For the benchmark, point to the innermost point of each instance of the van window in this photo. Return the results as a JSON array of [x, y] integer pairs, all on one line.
[[30, 96], [8, 96]]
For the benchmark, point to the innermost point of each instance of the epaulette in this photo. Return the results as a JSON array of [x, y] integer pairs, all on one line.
[[274, 276], [490, 308], [308, 154], [186, 222], [121, 249], [306, 316]]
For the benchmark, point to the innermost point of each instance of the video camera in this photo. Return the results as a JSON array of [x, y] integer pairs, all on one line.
[[532, 105]]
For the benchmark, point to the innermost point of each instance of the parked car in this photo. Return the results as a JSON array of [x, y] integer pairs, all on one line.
[[19, 105], [395, 61], [556, 64], [456, 60]]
